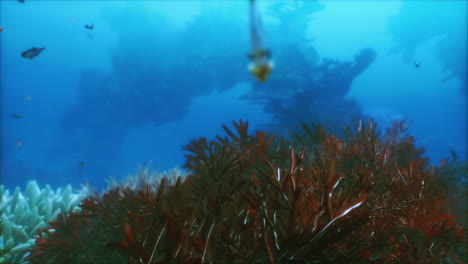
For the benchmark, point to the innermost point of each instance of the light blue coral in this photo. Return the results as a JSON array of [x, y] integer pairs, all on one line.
[[145, 176], [22, 214]]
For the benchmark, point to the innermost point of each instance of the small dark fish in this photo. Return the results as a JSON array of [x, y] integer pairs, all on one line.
[[21, 1], [81, 167], [18, 116], [89, 27], [417, 64], [32, 52]]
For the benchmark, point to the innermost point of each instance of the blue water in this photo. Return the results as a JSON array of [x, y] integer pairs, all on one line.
[[152, 75]]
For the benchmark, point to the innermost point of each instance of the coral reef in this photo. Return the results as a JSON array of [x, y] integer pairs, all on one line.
[[453, 175], [316, 198], [23, 214]]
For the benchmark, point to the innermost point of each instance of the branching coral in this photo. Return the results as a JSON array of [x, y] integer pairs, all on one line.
[[409, 222], [22, 214], [248, 198], [144, 176]]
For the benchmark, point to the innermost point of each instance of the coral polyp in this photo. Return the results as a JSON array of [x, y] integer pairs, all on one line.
[[317, 198]]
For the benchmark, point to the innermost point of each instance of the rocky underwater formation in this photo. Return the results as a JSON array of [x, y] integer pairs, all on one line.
[[257, 198]]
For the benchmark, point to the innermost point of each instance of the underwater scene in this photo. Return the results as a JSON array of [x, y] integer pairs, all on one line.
[[240, 131]]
